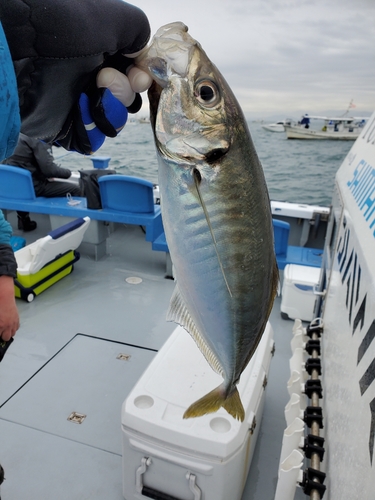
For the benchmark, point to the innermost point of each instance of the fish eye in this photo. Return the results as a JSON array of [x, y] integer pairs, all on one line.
[[207, 93]]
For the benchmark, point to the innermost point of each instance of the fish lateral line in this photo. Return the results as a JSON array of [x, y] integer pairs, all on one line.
[[197, 176]]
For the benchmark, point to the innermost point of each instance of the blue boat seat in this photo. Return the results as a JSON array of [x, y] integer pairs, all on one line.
[[127, 194], [16, 184], [125, 200], [289, 254], [281, 231], [302, 256]]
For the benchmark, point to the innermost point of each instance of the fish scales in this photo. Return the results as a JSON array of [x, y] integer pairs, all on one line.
[[216, 211]]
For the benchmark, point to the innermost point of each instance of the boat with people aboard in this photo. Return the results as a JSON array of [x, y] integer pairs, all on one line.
[[95, 383], [277, 126], [345, 128]]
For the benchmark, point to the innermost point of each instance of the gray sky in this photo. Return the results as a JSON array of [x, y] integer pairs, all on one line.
[[283, 57]]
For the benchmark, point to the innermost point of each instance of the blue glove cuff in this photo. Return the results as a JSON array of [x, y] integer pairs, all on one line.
[[114, 111], [107, 118], [95, 137]]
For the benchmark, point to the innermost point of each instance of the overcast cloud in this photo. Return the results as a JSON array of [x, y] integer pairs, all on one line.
[[284, 57]]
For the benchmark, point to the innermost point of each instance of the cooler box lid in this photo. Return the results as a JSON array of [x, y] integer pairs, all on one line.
[[305, 275], [178, 376]]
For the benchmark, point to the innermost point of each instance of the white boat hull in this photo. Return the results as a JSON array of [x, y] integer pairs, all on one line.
[[274, 127], [345, 396], [348, 349], [296, 132]]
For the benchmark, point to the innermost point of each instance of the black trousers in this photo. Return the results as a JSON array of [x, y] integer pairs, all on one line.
[[52, 189]]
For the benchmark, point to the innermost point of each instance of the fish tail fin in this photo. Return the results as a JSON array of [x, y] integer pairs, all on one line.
[[216, 399], [234, 406]]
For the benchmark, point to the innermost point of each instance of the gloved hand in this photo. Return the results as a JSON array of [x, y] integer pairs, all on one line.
[[58, 47]]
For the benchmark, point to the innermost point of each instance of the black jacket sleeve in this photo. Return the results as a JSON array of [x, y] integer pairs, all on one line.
[[35, 156], [58, 47], [46, 162], [8, 263]]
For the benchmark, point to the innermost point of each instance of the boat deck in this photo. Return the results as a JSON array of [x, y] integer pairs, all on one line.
[[64, 360]]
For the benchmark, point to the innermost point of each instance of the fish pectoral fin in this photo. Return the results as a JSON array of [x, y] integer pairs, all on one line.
[[214, 400]]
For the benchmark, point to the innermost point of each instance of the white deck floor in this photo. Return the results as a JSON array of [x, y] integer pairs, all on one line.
[[63, 359]]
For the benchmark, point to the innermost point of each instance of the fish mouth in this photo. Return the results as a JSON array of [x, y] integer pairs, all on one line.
[[154, 93]]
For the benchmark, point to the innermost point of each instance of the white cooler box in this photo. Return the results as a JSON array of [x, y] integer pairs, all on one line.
[[297, 297], [204, 458]]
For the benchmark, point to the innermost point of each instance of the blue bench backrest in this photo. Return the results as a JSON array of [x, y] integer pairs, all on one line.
[[127, 194], [16, 183], [281, 236]]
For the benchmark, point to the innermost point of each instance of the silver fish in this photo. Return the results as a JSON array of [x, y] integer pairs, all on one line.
[[215, 209]]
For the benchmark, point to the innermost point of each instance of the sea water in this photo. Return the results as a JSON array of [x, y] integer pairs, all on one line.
[[299, 171]]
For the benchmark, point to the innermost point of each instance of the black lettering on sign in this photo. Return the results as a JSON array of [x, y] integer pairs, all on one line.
[[365, 344], [350, 271], [342, 249], [360, 316], [369, 135], [372, 429], [367, 378]]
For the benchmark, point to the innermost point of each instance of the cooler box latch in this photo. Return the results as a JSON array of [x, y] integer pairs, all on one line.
[[148, 492]]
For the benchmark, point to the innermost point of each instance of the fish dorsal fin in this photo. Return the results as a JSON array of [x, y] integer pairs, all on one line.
[[179, 314]]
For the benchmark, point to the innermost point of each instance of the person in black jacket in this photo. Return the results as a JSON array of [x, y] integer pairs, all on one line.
[[35, 156], [59, 49], [51, 53]]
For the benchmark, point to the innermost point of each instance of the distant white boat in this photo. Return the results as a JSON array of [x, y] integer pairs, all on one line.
[[345, 128], [277, 126]]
